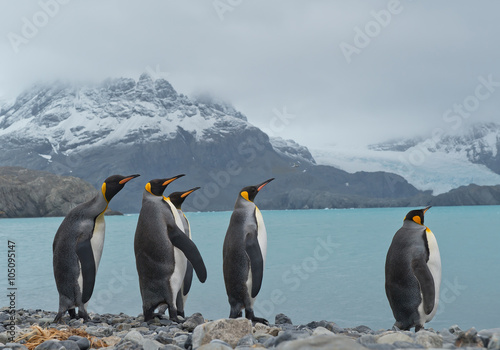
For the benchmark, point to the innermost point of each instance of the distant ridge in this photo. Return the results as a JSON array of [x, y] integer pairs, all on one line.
[[33, 193], [123, 126]]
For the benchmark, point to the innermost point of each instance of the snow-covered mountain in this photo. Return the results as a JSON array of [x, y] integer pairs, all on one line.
[[438, 164], [126, 126]]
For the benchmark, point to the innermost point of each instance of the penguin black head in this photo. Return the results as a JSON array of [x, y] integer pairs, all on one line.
[[417, 215], [250, 192], [177, 198], [157, 186], [113, 184]]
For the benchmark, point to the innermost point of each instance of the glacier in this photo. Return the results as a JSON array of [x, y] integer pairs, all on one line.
[[437, 165]]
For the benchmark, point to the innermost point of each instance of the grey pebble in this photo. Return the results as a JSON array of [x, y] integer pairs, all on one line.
[[134, 336], [192, 322], [50, 345], [83, 343], [16, 346], [285, 336], [494, 342], [180, 340], [69, 344], [170, 347], [215, 346], [367, 339], [380, 346], [128, 345], [282, 319], [99, 331], [163, 338], [363, 329], [247, 340]]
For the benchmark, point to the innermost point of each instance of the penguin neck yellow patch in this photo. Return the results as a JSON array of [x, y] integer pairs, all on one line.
[[244, 194], [417, 219], [103, 190], [148, 188]]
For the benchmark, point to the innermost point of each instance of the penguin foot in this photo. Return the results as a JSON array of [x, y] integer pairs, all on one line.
[[58, 317], [418, 328], [260, 320], [72, 313], [175, 319], [83, 314]]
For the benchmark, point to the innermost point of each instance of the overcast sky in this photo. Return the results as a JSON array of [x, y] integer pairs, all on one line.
[[345, 72]]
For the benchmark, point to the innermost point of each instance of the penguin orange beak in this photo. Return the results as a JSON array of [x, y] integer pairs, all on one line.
[[128, 178], [424, 210], [172, 179], [187, 193], [261, 186]]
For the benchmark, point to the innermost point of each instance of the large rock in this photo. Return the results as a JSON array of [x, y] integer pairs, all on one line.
[[428, 339], [322, 342], [227, 330], [392, 337]]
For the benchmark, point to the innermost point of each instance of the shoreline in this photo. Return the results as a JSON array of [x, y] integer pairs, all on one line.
[[121, 331]]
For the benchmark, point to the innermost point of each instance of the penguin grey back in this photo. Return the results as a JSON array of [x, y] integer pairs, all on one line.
[[243, 251], [159, 246], [77, 248], [410, 285]]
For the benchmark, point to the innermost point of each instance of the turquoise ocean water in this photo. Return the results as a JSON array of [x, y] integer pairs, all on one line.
[[321, 264]]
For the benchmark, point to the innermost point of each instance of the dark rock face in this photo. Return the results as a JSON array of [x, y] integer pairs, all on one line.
[[469, 195], [30, 193]]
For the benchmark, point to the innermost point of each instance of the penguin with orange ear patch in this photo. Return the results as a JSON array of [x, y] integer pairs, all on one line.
[[77, 249], [176, 199], [413, 273], [244, 254], [162, 250]]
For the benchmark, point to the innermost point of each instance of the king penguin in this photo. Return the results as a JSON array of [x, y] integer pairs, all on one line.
[[244, 254], [177, 198], [77, 249], [413, 273], [162, 250]]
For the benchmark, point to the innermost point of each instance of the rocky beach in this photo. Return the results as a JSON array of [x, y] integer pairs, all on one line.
[[33, 329]]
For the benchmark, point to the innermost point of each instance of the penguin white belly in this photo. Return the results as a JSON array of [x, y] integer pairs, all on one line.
[[177, 278], [262, 239], [261, 234], [249, 286], [97, 240], [187, 231], [180, 260], [434, 265]]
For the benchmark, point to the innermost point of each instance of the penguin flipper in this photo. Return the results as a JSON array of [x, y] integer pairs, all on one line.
[[256, 262], [87, 263], [188, 278], [427, 288], [181, 241]]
